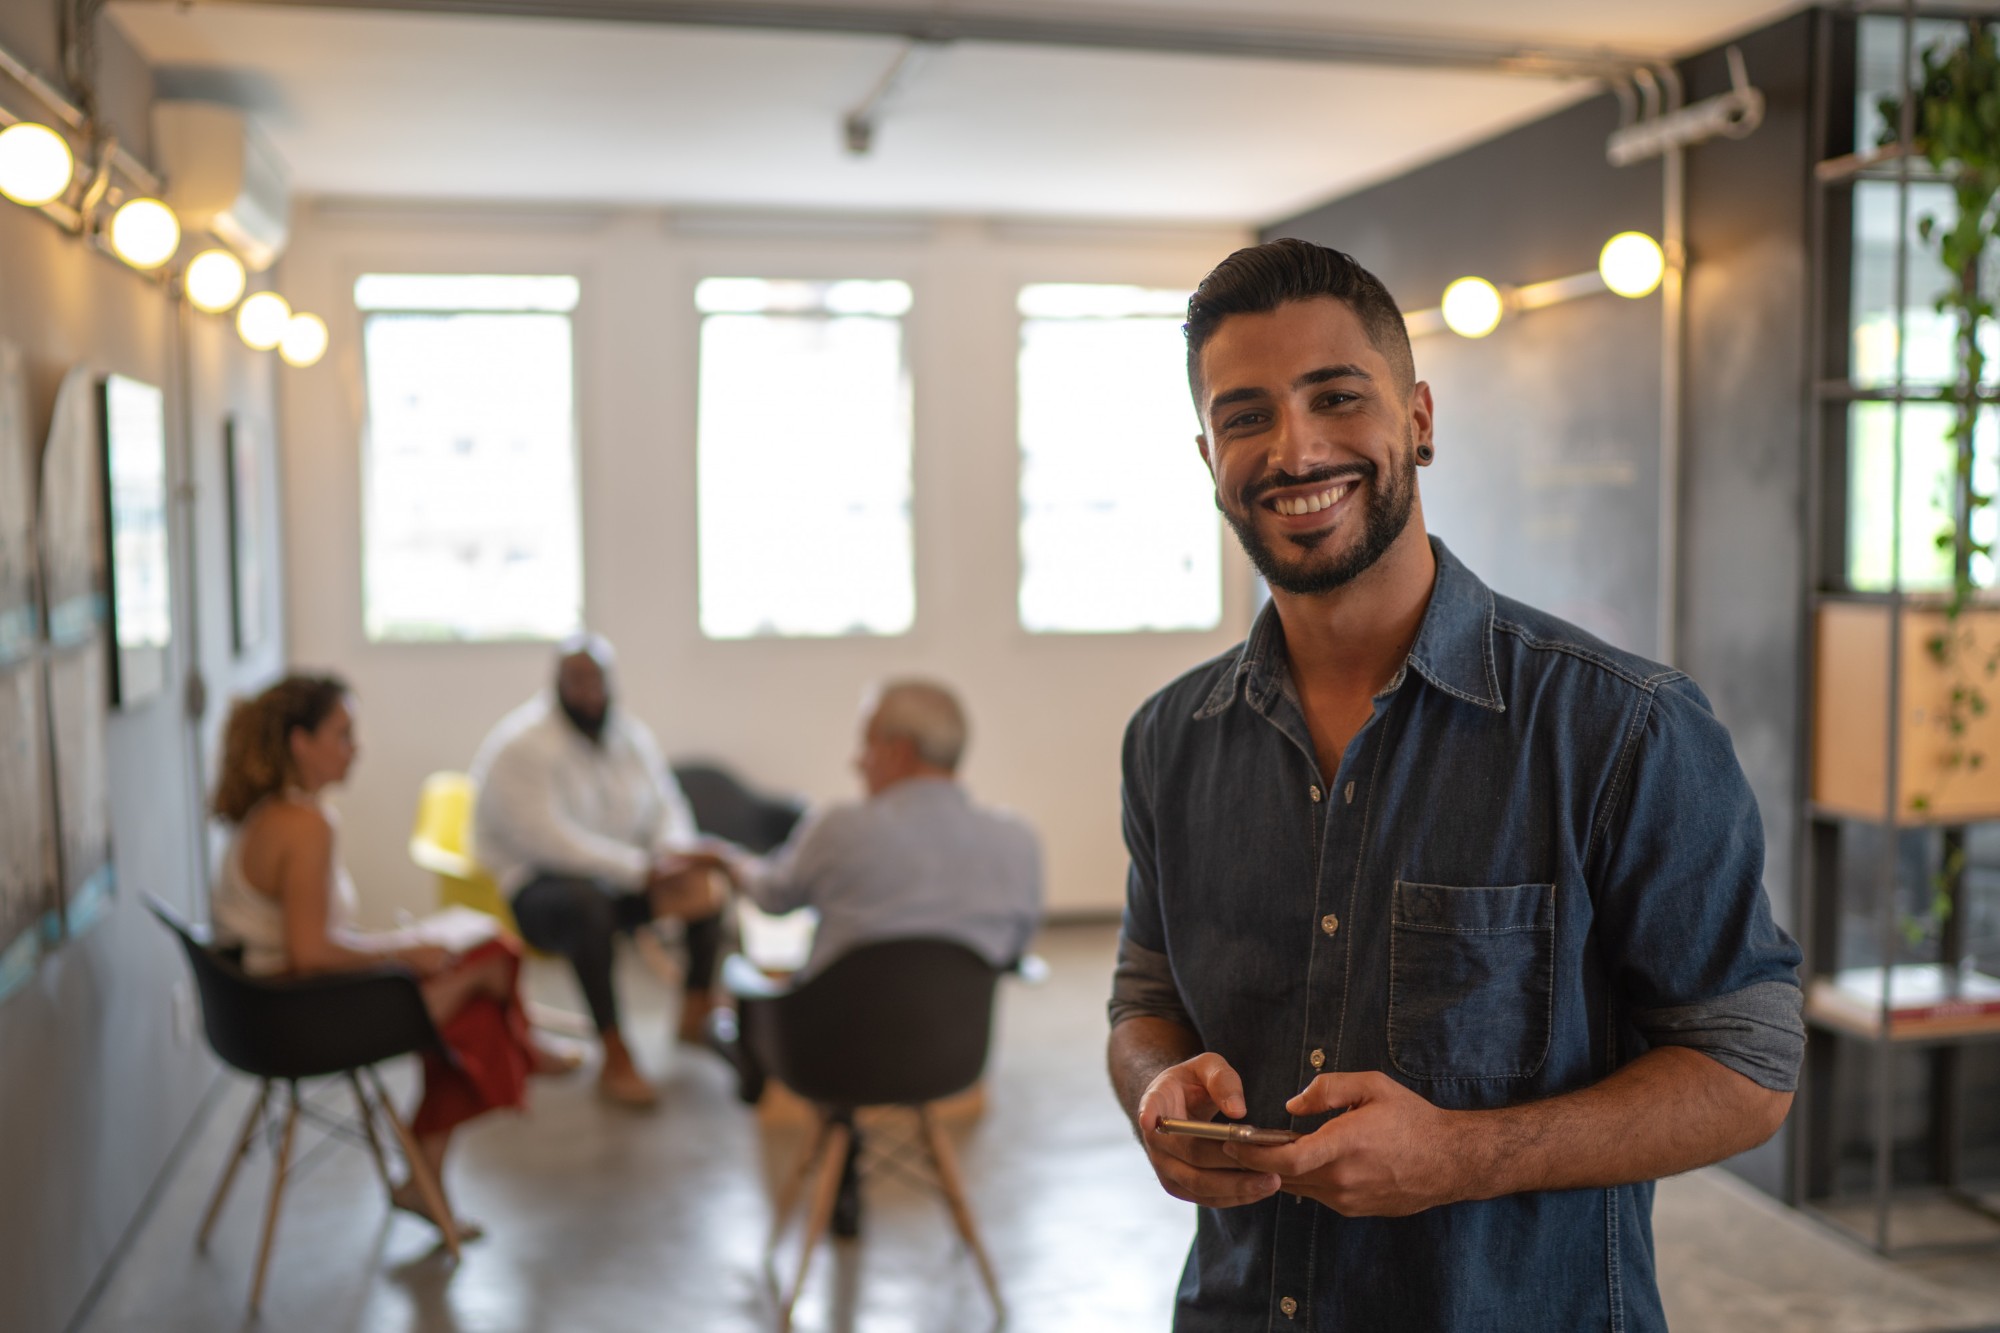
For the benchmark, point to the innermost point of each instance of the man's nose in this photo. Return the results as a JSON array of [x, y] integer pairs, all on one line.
[[1294, 444]]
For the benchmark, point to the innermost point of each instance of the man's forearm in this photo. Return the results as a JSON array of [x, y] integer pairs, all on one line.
[[1670, 1110], [1139, 1049]]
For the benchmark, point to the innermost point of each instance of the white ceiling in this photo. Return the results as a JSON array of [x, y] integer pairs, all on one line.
[[410, 106]]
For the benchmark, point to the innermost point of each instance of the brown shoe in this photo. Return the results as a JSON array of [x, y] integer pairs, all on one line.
[[695, 1005], [627, 1087]]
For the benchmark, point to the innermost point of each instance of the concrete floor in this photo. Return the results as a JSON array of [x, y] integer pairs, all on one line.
[[608, 1221]]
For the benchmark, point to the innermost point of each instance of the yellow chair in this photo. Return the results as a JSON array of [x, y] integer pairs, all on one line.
[[439, 844]]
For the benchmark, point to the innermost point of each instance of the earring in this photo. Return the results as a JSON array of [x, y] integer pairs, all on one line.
[[1425, 453]]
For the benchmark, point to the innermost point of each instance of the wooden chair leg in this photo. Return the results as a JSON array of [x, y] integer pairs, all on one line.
[[367, 1109], [251, 1124], [427, 1184], [946, 1162], [832, 1163], [280, 1167], [788, 1194]]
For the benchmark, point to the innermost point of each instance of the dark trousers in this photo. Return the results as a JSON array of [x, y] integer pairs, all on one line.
[[580, 918]]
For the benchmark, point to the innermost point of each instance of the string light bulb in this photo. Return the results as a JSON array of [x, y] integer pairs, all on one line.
[[304, 342], [1472, 307], [35, 164], [262, 319], [145, 233], [214, 281], [1632, 264]]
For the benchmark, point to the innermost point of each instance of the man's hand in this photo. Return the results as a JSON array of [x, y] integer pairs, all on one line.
[[1198, 1170], [1391, 1154]]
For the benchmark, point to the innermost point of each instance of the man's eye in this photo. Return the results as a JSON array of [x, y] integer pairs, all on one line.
[[1336, 399], [1242, 420]]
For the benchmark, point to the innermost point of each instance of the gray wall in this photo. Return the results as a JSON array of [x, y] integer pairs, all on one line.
[[1547, 480], [98, 1079]]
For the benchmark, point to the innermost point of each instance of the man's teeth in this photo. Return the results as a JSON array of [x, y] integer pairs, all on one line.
[[1309, 504]]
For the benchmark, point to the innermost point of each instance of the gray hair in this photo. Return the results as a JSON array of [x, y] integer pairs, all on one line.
[[924, 713]]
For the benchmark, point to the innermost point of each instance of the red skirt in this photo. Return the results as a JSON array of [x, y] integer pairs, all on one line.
[[488, 1039]]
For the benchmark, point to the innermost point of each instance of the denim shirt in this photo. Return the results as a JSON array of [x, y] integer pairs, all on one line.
[[1538, 860]]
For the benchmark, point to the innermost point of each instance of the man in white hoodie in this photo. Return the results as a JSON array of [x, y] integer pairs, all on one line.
[[588, 834]]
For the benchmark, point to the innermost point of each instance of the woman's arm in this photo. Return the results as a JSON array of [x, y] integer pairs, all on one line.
[[304, 885]]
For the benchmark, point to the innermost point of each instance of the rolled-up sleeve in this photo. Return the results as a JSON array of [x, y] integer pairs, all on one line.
[[1143, 983], [1695, 958]]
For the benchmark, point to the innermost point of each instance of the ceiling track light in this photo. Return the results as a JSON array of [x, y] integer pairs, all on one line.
[[1631, 264], [36, 164], [262, 319]]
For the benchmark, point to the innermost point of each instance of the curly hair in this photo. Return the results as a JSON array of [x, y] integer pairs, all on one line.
[[257, 743]]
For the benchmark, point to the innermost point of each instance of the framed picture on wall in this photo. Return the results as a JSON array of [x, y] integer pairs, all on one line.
[[71, 523], [243, 447], [27, 825], [135, 470]]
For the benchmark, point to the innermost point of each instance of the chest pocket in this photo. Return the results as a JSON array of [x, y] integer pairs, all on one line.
[[1471, 980]]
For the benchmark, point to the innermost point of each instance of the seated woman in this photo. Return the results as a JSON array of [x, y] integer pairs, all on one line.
[[285, 899]]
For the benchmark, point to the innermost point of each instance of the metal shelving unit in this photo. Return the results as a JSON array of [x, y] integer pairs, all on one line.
[[1840, 1031]]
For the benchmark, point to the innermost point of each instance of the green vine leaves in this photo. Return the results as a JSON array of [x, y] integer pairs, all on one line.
[[1956, 127]]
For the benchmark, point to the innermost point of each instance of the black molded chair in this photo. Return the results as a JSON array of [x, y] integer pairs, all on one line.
[[902, 1023], [284, 1029], [724, 808]]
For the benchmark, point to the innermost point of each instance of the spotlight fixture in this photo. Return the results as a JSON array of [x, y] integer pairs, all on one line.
[[145, 233], [1632, 264], [214, 281], [1472, 307], [35, 164], [262, 319], [304, 342]]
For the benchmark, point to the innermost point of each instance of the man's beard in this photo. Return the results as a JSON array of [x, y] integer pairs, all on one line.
[[1383, 520], [590, 725]]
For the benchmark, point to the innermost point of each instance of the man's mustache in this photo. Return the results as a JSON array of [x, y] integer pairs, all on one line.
[[1319, 476]]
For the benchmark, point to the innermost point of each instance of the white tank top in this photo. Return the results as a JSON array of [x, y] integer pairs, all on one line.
[[254, 921]]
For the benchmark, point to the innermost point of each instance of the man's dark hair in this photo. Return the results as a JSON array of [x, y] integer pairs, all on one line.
[[1260, 278]]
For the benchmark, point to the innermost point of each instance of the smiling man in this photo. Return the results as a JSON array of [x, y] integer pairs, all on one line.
[[1470, 900]]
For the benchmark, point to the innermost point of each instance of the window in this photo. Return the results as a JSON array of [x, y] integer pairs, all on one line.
[[470, 527], [1118, 524], [803, 451], [1886, 549]]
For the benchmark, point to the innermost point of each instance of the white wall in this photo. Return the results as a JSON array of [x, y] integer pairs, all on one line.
[[1047, 711]]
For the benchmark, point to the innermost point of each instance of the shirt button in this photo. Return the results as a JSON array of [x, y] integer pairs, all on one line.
[[1317, 1058], [1329, 923], [1289, 1306], [1315, 793], [1350, 793]]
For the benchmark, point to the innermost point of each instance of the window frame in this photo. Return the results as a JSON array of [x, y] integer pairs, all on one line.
[[1018, 280], [569, 266], [789, 264]]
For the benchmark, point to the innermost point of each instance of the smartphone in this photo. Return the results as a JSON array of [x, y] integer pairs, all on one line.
[[1228, 1133]]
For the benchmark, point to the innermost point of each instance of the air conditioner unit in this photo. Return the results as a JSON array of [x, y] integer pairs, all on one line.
[[223, 176]]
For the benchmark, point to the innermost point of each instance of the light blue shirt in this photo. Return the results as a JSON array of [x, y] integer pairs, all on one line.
[[919, 859]]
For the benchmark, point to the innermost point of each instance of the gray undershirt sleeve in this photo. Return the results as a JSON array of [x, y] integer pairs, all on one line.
[[1143, 986], [1758, 1031]]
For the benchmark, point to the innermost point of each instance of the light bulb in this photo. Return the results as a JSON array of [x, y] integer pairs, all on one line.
[[262, 319], [145, 233], [214, 281], [1631, 264], [35, 164], [1472, 307], [304, 342]]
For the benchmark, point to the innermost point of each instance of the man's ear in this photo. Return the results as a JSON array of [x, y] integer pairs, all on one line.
[[1422, 413]]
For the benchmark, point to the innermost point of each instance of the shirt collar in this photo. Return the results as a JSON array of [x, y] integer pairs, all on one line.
[[1453, 651]]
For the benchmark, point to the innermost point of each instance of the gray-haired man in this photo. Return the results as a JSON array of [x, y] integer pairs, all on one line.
[[917, 858]]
